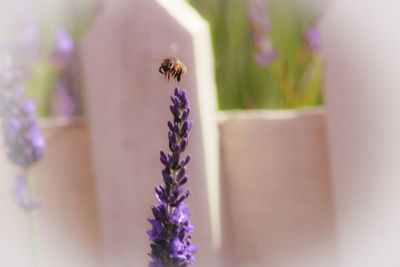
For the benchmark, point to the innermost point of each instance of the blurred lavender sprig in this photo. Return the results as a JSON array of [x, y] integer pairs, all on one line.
[[63, 103], [313, 38], [21, 133], [171, 244], [66, 97], [64, 47], [22, 194], [257, 14]]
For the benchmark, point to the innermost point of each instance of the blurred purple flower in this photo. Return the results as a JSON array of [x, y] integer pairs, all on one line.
[[64, 104], [21, 133], [22, 196], [64, 43], [257, 14], [265, 56], [20, 130], [66, 101], [64, 46], [171, 244], [313, 38]]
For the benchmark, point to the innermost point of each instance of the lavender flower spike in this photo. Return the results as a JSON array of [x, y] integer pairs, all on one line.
[[64, 46], [20, 130], [171, 244], [313, 38], [257, 13]]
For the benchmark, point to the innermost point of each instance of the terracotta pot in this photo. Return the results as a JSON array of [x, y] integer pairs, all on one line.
[[276, 198]]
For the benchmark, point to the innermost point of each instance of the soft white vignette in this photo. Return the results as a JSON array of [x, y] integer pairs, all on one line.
[[361, 41]]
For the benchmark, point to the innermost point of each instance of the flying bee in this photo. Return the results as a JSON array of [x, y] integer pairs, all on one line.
[[172, 67]]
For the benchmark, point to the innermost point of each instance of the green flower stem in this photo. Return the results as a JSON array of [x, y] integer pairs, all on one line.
[[33, 225]]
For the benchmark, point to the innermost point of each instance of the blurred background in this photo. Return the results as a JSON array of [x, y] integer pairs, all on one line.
[[266, 53], [296, 140]]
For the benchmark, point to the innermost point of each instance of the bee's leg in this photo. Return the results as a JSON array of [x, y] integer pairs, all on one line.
[[161, 70], [178, 75], [168, 75]]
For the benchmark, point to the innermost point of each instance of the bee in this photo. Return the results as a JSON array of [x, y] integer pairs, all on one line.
[[172, 67]]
